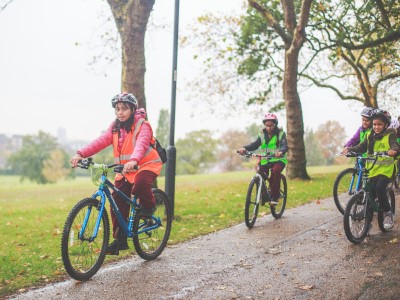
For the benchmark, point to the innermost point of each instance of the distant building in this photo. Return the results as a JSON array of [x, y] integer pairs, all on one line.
[[62, 136], [16, 142]]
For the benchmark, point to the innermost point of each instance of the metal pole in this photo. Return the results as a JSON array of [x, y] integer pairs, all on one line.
[[170, 169]]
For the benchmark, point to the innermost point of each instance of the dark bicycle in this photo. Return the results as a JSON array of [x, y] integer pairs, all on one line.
[[347, 183], [361, 206], [396, 181], [86, 231], [258, 193]]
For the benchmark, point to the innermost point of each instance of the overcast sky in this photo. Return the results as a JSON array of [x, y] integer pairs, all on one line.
[[46, 81]]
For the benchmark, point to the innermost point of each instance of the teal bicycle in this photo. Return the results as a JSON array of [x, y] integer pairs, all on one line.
[[361, 206], [86, 232]]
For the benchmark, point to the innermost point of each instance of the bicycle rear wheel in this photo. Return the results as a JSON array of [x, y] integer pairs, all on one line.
[[278, 209], [357, 218], [81, 254], [251, 206], [150, 244], [392, 203], [344, 187]]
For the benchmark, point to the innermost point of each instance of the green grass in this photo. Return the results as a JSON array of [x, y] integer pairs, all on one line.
[[32, 217]]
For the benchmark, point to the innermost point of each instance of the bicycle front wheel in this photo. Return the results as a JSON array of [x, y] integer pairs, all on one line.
[[150, 244], [357, 218], [278, 209], [251, 206], [392, 203], [344, 187], [83, 254]]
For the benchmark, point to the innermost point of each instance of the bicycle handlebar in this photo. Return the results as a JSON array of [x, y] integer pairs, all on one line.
[[86, 163], [251, 154]]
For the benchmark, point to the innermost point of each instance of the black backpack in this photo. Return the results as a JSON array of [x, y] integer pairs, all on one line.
[[160, 150]]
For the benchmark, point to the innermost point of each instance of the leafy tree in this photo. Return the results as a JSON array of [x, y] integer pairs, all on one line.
[[54, 168], [131, 18], [162, 132], [35, 158], [313, 150], [253, 130], [331, 136], [197, 152], [265, 50], [230, 141], [362, 41]]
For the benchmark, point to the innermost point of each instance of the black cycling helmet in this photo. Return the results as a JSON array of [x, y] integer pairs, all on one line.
[[366, 112], [124, 97], [381, 114]]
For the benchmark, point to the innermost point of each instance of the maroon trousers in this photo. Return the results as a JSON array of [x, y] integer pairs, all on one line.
[[141, 188], [274, 179]]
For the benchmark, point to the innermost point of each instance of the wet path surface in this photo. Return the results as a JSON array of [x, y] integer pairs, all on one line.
[[303, 255]]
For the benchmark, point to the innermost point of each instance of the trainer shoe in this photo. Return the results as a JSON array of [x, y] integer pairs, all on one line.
[[116, 245], [388, 220], [274, 202]]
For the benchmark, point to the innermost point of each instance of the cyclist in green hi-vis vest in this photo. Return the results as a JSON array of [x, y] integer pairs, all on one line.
[[380, 139], [271, 139], [366, 125]]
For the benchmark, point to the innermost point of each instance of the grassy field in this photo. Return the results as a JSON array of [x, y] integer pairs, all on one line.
[[32, 217]]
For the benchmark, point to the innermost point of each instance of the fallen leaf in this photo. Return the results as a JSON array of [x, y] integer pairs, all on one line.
[[394, 241], [306, 287]]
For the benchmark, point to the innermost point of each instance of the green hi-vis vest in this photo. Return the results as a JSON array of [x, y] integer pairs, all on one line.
[[384, 165], [271, 147], [363, 134]]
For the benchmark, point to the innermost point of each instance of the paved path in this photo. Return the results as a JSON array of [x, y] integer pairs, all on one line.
[[303, 255]]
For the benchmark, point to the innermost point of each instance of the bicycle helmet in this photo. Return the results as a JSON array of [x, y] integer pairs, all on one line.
[[381, 114], [395, 124], [124, 97], [366, 112], [270, 117]]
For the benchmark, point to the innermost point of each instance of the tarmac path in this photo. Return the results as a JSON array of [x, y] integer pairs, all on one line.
[[303, 255]]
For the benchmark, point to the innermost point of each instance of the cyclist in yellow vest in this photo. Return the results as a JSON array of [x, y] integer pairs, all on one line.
[[131, 136], [361, 133], [380, 139], [271, 139]]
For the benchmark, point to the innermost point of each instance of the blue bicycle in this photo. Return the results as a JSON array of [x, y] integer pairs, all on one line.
[[86, 231], [348, 182]]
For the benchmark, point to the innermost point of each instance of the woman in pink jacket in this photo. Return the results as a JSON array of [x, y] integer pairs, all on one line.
[[131, 136]]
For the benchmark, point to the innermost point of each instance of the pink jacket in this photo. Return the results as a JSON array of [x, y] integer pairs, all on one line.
[[106, 139]]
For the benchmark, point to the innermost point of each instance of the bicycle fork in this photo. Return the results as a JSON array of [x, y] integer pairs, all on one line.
[[260, 180]]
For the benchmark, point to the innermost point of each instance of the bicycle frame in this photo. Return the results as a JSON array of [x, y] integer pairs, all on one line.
[[104, 193], [358, 167]]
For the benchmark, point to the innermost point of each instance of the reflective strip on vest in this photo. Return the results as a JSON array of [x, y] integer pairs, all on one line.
[[151, 160]]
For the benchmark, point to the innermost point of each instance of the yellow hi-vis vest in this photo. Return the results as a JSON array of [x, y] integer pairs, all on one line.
[[384, 165], [271, 147], [150, 161]]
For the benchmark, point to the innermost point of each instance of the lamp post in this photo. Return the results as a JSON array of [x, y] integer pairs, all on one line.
[[170, 170]]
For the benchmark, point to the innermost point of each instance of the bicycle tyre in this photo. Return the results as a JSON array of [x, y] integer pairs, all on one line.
[[151, 244], [251, 205], [341, 186], [278, 209], [392, 203], [83, 258], [357, 218]]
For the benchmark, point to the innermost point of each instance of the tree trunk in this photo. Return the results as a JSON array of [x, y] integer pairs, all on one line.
[[296, 167], [131, 18]]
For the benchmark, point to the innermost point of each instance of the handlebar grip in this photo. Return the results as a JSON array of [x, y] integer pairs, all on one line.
[[119, 168]]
